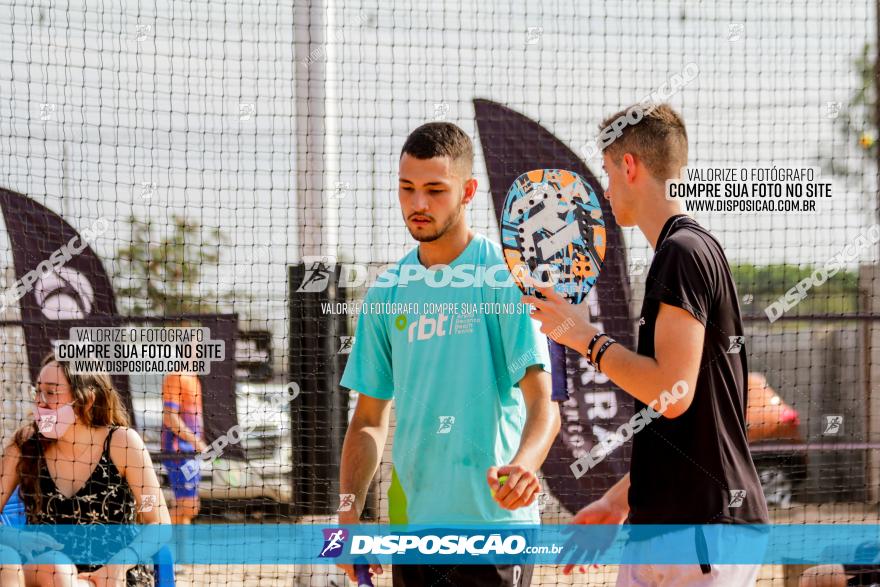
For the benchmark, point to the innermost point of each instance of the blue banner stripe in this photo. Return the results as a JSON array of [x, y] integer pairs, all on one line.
[[548, 544]]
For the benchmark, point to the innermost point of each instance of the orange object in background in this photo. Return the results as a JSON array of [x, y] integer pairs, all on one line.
[[774, 435], [768, 417]]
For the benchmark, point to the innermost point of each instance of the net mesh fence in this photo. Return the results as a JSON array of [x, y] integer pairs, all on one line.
[[228, 163]]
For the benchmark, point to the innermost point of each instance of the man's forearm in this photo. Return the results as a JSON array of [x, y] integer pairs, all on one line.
[[541, 428], [618, 494], [638, 375], [361, 455]]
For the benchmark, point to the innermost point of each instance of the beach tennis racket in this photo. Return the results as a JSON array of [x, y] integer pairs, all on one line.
[[553, 233]]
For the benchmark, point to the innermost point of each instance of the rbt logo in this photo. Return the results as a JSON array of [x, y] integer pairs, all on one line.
[[426, 328]]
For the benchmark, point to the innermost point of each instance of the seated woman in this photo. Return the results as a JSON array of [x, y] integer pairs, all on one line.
[[79, 463]]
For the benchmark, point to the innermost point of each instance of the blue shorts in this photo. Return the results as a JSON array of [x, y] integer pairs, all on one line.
[[178, 471]]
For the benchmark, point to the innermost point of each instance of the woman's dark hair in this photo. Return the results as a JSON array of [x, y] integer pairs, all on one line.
[[95, 403]]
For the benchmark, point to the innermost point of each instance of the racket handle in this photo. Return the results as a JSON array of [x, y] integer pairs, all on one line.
[[362, 572], [559, 376]]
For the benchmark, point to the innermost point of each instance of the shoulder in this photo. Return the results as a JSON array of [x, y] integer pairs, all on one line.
[[125, 438], [487, 250], [127, 451], [171, 380], [690, 242], [382, 287]]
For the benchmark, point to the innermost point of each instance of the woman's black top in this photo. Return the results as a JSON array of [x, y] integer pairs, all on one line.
[[105, 498]]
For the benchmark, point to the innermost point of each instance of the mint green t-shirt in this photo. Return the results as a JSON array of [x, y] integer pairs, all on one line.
[[453, 374]]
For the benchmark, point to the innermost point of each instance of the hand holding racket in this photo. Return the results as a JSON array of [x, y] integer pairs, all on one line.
[[554, 242], [562, 322], [362, 572]]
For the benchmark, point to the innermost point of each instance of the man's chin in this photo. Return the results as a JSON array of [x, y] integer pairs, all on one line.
[[424, 236]]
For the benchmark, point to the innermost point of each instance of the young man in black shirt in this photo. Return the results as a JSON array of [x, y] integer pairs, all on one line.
[[692, 464]]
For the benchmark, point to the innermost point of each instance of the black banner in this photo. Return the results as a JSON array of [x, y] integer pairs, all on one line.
[[76, 292], [61, 284], [219, 410], [513, 144], [319, 347]]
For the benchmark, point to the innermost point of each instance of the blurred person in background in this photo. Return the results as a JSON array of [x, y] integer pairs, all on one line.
[[79, 463], [182, 433]]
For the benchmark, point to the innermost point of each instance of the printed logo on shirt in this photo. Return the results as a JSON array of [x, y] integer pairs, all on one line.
[[442, 324], [446, 423]]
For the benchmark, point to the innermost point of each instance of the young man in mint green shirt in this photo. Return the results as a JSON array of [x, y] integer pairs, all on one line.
[[466, 366]]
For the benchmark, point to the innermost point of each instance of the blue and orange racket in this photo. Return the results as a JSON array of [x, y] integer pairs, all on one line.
[[553, 233]]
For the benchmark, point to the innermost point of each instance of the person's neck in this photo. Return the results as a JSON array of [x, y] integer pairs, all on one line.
[[652, 219], [75, 439], [447, 248]]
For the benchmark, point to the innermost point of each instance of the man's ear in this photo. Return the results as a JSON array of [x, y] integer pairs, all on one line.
[[470, 190], [628, 161]]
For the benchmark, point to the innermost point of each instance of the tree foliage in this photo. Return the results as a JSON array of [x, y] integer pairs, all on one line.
[[164, 274]]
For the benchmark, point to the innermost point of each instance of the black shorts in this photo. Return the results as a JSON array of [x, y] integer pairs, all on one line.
[[864, 574], [462, 575]]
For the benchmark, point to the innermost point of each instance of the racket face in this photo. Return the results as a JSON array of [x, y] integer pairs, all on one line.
[[552, 232]]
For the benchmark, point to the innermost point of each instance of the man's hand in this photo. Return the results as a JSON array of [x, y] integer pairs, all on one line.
[[200, 445], [349, 571], [520, 489], [361, 454], [350, 518], [602, 511], [568, 324]]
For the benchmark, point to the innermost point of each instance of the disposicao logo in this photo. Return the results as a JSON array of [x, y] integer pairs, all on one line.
[[334, 542]]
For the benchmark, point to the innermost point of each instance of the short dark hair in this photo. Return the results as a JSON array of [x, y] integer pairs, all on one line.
[[440, 139], [659, 139]]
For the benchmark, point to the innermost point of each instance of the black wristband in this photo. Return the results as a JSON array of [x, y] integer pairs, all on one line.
[[602, 350], [589, 354]]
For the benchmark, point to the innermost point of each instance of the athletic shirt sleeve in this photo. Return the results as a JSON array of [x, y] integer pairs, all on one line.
[[683, 278], [368, 370]]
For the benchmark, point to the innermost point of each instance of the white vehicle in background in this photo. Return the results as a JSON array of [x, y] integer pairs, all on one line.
[[265, 474]]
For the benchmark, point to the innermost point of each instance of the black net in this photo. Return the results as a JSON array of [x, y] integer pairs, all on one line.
[[233, 167]]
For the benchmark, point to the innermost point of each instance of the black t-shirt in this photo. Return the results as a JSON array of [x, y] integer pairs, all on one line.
[[694, 469]]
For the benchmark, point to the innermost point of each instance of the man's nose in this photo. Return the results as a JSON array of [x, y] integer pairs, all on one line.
[[419, 201]]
